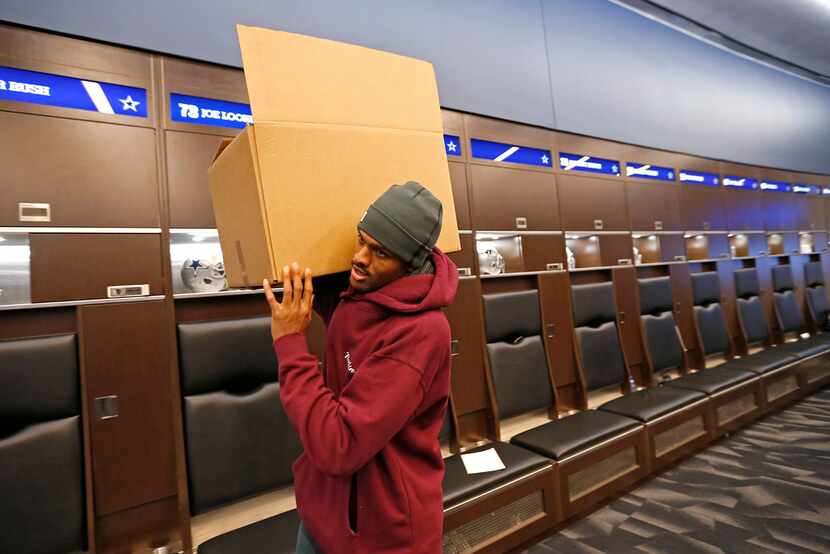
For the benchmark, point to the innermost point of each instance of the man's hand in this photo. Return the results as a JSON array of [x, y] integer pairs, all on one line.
[[293, 314]]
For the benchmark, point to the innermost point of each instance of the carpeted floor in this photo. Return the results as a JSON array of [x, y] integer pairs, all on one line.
[[764, 489]]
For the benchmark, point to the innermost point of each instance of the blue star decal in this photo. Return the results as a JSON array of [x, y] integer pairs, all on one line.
[[195, 264]]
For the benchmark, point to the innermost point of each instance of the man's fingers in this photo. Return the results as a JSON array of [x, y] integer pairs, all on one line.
[[287, 291], [297, 283], [308, 289], [269, 294]]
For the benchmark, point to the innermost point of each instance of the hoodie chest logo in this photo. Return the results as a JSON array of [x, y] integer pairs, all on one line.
[[348, 359]]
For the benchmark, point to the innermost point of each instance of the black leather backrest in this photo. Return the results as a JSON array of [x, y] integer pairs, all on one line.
[[662, 341], [599, 349], [239, 440], [227, 354], [790, 316], [42, 506], [39, 378], [817, 299], [508, 315], [754, 319], [705, 288], [746, 282], [813, 274], [520, 376], [782, 278], [655, 295], [237, 445], [593, 304], [712, 326]]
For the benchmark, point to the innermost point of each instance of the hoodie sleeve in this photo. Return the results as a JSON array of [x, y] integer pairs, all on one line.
[[340, 435]]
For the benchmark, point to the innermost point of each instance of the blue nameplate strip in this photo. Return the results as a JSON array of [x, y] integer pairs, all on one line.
[[744, 183], [806, 188], [699, 178], [646, 171], [452, 145], [500, 152], [577, 162], [207, 111], [33, 87], [775, 186]]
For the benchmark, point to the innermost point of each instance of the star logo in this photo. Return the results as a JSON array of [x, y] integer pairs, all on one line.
[[545, 159], [128, 104], [451, 146], [615, 169], [671, 175], [195, 264]]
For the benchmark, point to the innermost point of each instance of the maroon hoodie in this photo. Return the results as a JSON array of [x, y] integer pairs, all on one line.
[[370, 429]]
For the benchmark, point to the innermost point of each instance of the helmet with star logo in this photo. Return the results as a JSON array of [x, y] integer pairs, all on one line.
[[200, 276]]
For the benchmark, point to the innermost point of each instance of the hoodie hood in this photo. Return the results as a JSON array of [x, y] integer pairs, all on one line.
[[417, 293]]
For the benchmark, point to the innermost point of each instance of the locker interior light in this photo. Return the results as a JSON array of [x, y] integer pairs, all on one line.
[[652, 237]]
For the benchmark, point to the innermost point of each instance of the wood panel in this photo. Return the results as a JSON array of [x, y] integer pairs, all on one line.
[[743, 210], [653, 206], [671, 247], [615, 248], [141, 529], [681, 286], [587, 199], [701, 208], [556, 304], [499, 195], [34, 323], [466, 258], [469, 385], [540, 250], [726, 274], [92, 174], [50, 53], [188, 157], [81, 266], [460, 193], [626, 291], [126, 351]]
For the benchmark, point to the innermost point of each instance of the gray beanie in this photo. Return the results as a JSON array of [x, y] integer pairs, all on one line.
[[406, 220]]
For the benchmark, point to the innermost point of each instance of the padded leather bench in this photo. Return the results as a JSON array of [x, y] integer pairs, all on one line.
[[649, 404], [459, 486], [562, 438], [274, 535]]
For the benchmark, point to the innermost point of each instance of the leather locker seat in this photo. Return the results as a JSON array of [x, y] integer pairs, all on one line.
[[522, 382], [665, 348], [602, 357], [563, 437], [711, 380], [274, 535], [41, 447], [239, 442], [790, 316], [651, 403], [460, 486]]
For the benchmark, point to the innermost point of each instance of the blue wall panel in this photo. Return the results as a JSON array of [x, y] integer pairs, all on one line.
[[587, 66]]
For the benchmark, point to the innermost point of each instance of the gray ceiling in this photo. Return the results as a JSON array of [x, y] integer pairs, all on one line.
[[795, 31]]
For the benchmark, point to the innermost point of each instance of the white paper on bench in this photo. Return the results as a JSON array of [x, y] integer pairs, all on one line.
[[480, 462]]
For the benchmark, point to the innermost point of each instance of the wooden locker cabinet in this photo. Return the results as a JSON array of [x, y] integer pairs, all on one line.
[[592, 203], [466, 259], [188, 157], [702, 208], [681, 285], [460, 193], [743, 210], [653, 206], [543, 252], [91, 174], [470, 393], [616, 249], [80, 266], [626, 291], [555, 300], [513, 199]]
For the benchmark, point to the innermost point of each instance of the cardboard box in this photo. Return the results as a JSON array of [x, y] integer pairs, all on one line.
[[334, 126]]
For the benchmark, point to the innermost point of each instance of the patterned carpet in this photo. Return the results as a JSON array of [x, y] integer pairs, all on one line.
[[764, 489]]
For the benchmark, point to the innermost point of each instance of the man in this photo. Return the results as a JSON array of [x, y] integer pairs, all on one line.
[[369, 480]]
